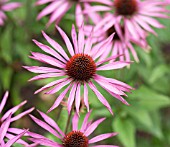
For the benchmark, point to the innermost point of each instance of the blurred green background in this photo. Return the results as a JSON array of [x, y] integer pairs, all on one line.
[[146, 122]]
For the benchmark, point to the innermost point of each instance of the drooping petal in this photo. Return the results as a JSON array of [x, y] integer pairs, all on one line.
[[100, 97], [59, 99]]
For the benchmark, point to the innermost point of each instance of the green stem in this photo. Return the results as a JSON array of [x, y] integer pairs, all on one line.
[[68, 120]]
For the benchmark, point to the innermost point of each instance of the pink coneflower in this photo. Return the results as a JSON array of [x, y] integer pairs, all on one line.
[[136, 15], [57, 9], [76, 138], [118, 45], [79, 68], [7, 118], [6, 6]]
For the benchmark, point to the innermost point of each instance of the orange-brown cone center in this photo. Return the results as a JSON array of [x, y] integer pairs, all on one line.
[[81, 67], [75, 139], [125, 7]]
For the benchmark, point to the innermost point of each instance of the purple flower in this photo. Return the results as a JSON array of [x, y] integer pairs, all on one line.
[[137, 16], [79, 69], [122, 42], [5, 121], [76, 138], [57, 9], [6, 6]]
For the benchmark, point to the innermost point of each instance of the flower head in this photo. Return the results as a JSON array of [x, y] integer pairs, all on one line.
[[137, 16], [5, 121], [57, 9], [6, 6], [122, 41], [75, 138], [79, 69]]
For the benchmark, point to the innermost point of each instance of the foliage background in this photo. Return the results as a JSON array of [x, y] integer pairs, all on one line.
[[144, 123]]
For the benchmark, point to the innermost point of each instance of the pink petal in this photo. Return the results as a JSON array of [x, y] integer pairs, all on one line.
[[75, 121], [93, 126], [71, 97], [22, 114], [86, 97], [46, 75], [13, 110], [74, 38], [50, 51], [59, 86], [45, 126], [47, 59], [114, 65], [4, 127], [3, 102], [55, 45], [77, 98], [10, 6], [50, 85], [59, 12], [13, 140], [101, 137], [100, 97], [66, 40], [49, 9], [79, 15], [81, 39], [85, 122], [51, 122], [38, 69], [46, 142], [59, 99]]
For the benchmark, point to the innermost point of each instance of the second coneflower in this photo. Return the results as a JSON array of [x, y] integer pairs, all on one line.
[[75, 138], [138, 16], [79, 69]]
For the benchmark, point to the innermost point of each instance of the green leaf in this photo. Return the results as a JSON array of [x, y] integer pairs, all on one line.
[[150, 99], [158, 72], [156, 129], [126, 130], [6, 44], [141, 115], [6, 77]]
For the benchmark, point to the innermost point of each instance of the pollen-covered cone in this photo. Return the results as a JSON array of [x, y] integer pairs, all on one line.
[[75, 138], [77, 69]]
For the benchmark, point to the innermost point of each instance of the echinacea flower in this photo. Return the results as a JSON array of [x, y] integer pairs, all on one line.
[[5, 5], [79, 69], [57, 9], [138, 16], [118, 45], [5, 121], [75, 138]]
